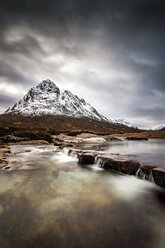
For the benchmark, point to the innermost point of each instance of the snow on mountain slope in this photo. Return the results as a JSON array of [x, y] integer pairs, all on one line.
[[160, 128], [124, 122], [47, 98]]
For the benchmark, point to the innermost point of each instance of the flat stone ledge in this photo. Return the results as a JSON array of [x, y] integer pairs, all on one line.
[[129, 167]]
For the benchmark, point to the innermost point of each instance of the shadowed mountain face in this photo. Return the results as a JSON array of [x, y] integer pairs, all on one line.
[[47, 98]]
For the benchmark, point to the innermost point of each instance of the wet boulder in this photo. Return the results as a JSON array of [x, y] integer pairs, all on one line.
[[70, 152], [73, 152], [147, 169], [69, 145], [111, 164], [125, 166], [86, 158], [159, 176], [130, 167], [57, 143]]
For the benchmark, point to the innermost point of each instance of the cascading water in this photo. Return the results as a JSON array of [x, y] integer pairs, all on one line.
[[99, 162], [65, 150], [140, 174]]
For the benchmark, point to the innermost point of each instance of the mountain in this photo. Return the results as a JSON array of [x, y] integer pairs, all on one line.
[[47, 98], [48, 109], [162, 129], [124, 122]]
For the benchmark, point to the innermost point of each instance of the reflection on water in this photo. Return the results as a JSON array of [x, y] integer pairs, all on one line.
[[151, 151], [59, 204]]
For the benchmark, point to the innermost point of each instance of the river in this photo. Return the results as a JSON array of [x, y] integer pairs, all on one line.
[[50, 201]]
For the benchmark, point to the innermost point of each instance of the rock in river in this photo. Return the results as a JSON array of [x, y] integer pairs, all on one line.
[[159, 176]]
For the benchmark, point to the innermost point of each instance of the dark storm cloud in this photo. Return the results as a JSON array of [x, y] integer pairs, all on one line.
[[111, 52], [7, 71], [24, 46]]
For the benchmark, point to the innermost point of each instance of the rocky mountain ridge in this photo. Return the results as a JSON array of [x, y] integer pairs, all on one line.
[[124, 122], [47, 98], [160, 128]]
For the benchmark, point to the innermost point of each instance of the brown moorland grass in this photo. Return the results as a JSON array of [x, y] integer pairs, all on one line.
[[142, 134], [55, 124], [41, 127]]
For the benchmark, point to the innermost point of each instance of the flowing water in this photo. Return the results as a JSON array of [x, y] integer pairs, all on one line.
[[50, 201]]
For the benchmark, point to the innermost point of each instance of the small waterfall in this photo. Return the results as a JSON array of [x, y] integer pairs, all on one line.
[[65, 150], [99, 162], [74, 155], [140, 174]]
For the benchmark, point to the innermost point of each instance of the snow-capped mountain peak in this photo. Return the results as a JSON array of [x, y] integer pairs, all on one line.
[[160, 128], [47, 98], [124, 122]]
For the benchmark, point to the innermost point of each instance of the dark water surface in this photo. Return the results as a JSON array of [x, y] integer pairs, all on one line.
[[50, 201]]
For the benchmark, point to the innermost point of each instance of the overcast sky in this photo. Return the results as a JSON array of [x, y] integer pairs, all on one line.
[[111, 53]]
